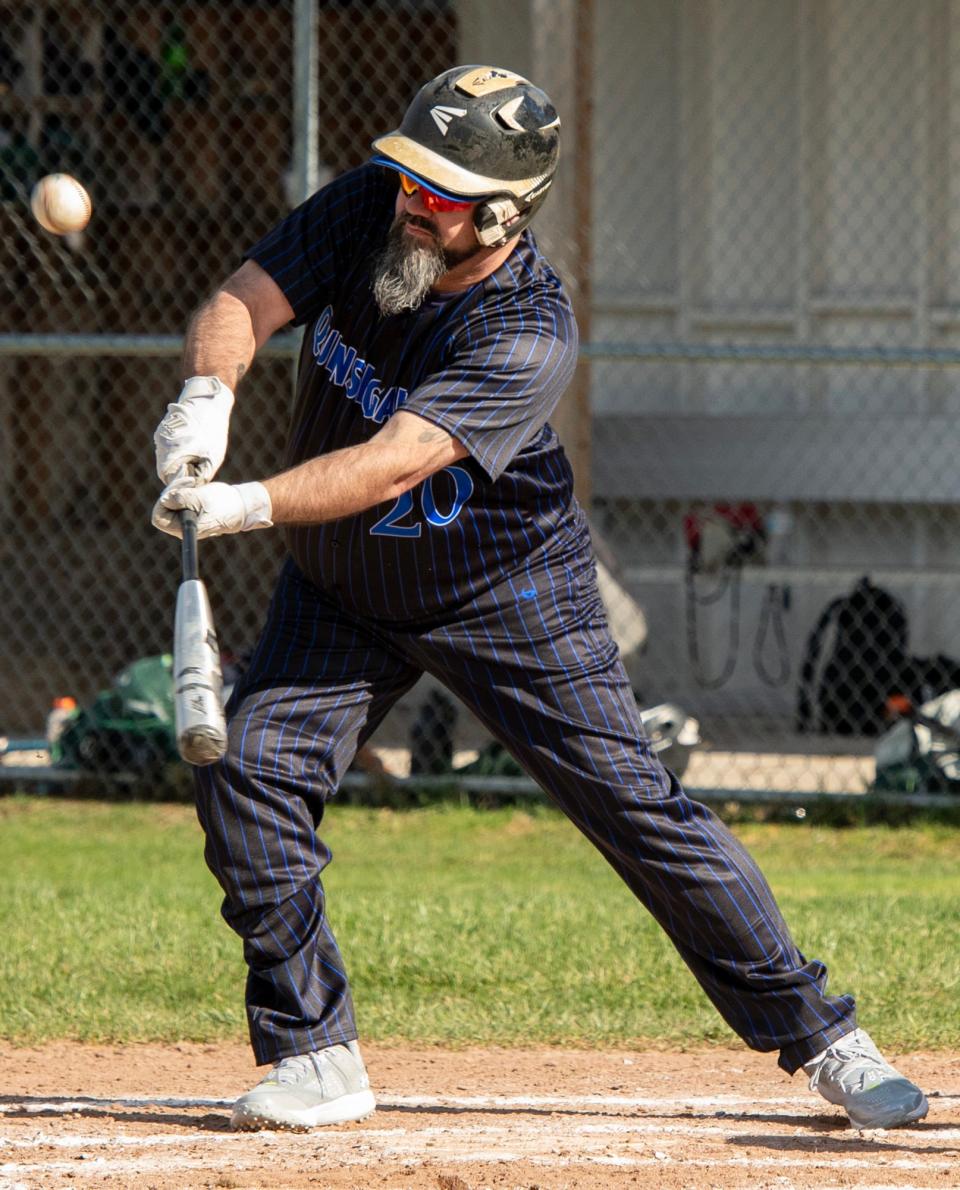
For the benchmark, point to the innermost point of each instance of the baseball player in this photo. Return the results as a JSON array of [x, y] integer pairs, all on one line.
[[428, 512]]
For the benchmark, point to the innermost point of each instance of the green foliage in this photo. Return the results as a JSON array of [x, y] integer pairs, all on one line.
[[458, 925]]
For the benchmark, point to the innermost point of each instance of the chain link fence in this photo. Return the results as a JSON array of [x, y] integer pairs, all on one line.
[[757, 215]]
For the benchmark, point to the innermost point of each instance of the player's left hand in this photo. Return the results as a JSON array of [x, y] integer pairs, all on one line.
[[220, 507], [193, 434]]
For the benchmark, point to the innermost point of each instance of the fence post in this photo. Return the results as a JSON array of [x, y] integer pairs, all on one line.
[[306, 99]]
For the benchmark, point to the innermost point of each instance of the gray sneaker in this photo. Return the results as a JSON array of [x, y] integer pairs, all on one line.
[[852, 1074], [329, 1086]]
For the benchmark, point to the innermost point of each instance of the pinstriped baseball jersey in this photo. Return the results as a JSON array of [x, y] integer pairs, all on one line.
[[363, 609], [488, 365]]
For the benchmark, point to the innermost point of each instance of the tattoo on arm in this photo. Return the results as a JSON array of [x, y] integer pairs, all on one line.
[[431, 435], [241, 369]]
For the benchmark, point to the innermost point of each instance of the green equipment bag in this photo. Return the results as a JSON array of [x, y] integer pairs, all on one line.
[[921, 752], [128, 728]]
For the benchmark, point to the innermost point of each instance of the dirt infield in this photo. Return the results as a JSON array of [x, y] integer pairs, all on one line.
[[152, 1116]]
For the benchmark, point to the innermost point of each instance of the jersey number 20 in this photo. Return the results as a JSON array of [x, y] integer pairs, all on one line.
[[388, 525]]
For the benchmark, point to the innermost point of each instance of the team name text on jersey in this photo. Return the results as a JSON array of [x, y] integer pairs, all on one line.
[[351, 373]]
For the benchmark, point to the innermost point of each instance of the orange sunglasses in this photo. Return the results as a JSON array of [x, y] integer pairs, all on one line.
[[431, 200]]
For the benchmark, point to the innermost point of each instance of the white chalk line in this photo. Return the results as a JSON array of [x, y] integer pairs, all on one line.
[[485, 1142], [634, 1127], [67, 1106], [99, 1166], [811, 1102], [440, 1101]]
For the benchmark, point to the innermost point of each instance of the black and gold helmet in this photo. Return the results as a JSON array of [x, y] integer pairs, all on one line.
[[480, 133]]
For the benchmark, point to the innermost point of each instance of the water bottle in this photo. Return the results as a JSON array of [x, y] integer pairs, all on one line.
[[62, 709]]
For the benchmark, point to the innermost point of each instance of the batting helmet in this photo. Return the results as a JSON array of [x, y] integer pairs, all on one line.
[[478, 132]]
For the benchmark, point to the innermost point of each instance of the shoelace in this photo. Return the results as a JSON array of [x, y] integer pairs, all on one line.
[[857, 1054], [292, 1070]]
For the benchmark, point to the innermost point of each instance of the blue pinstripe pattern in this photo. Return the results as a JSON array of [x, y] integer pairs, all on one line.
[[293, 733], [488, 365], [544, 676], [496, 597]]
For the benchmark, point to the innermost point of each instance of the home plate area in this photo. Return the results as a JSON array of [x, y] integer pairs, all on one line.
[[157, 1116]]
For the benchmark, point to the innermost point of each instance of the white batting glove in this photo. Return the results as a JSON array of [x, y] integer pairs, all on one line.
[[220, 507], [194, 429]]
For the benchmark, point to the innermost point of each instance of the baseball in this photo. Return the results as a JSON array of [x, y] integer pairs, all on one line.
[[60, 204]]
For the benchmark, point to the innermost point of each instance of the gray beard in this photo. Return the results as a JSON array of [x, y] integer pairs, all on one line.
[[407, 268]]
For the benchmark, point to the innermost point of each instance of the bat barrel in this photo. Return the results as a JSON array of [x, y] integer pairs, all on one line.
[[201, 744], [197, 678]]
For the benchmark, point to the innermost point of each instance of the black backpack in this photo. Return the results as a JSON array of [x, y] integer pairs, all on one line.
[[867, 664]]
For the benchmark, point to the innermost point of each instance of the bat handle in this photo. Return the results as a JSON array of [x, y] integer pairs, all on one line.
[[188, 525], [189, 562]]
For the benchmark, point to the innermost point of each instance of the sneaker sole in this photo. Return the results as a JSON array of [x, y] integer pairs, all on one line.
[[896, 1121], [344, 1110]]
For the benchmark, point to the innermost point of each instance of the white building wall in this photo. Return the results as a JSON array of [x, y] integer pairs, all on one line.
[[779, 173], [765, 173]]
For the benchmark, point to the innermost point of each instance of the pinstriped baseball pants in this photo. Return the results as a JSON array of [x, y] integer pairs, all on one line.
[[533, 659]]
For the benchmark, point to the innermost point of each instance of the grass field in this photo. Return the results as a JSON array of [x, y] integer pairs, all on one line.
[[457, 926]]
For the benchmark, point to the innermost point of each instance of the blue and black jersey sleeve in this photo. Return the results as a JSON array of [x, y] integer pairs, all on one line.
[[322, 242], [509, 365]]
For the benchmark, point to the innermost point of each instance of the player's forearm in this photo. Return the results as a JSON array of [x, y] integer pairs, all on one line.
[[332, 486], [356, 478], [220, 340], [399, 456]]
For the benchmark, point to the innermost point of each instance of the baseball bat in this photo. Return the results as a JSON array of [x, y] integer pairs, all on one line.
[[197, 677]]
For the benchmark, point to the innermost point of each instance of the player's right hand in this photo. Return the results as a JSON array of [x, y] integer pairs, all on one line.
[[219, 507], [193, 433]]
